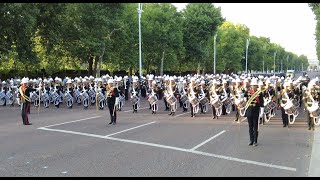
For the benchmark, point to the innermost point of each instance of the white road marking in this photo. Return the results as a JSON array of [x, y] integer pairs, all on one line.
[[64, 172], [45, 167], [181, 114], [138, 109], [177, 149], [71, 121], [129, 129], [201, 144], [27, 162]]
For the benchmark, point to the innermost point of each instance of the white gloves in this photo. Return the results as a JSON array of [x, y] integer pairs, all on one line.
[[117, 101]]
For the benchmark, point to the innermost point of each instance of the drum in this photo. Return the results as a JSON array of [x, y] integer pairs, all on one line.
[[184, 98], [216, 103], [226, 101], [316, 113], [271, 105], [204, 100], [171, 99], [134, 100], [152, 99], [194, 101], [291, 110]]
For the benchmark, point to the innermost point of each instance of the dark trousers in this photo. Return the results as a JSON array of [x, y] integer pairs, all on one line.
[[214, 113], [237, 113], [135, 107], [24, 113], [252, 114], [113, 112], [224, 110], [165, 103], [310, 121], [284, 116], [192, 113]]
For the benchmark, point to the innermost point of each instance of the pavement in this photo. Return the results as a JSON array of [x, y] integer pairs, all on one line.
[[76, 142]]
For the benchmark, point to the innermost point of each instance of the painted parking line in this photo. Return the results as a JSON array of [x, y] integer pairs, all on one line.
[[178, 149], [72, 121], [129, 129], [204, 142]]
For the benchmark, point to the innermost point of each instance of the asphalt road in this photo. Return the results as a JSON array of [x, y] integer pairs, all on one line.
[[76, 142]]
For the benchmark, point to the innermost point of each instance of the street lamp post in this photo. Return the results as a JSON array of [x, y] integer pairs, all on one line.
[[140, 61], [274, 62], [247, 46], [214, 54]]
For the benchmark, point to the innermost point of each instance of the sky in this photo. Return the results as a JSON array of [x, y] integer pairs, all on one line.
[[291, 25]]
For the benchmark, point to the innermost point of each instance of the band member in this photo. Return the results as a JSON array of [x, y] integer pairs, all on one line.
[[153, 93], [149, 87], [286, 94], [69, 93], [269, 94], [165, 92], [238, 93], [213, 93], [225, 93], [121, 90], [204, 93], [172, 91], [184, 93], [135, 95], [261, 113], [193, 93], [24, 93], [252, 111], [112, 95]]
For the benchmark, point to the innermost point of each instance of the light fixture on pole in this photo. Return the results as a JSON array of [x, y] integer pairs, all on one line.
[[274, 61], [140, 61], [247, 46], [287, 62], [214, 54]]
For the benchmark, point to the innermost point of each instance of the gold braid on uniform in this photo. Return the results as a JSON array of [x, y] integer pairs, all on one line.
[[23, 95], [256, 94]]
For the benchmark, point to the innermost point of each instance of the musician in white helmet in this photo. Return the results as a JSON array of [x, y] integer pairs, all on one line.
[[24, 94], [112, 95], [252, 111]]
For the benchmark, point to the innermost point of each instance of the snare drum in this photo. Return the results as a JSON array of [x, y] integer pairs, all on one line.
[[315, 113], [226, 101], [152, 99], [184, 98], [204, 100]]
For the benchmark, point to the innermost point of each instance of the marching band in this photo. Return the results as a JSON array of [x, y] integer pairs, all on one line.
[[224, 93]]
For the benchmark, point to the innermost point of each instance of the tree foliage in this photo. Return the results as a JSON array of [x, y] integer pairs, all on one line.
[[77, 36]]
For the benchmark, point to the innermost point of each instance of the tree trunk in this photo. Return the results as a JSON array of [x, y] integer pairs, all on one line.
[[90, 62], [130, 71], [96, 59]]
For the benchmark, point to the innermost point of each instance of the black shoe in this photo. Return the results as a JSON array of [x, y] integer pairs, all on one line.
[[191, 115], [260, 122], [29, 124], [309, 128], [152, 112], [236, 120], [170, 113], [110, 122], [255, 144], [113, 123], [250, 144], [213, 117], [284, 125], [313, 128]]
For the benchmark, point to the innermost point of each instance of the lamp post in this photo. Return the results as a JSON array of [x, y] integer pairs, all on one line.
[[274, 62], [140, 61], [214, 54], [247, 46]]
